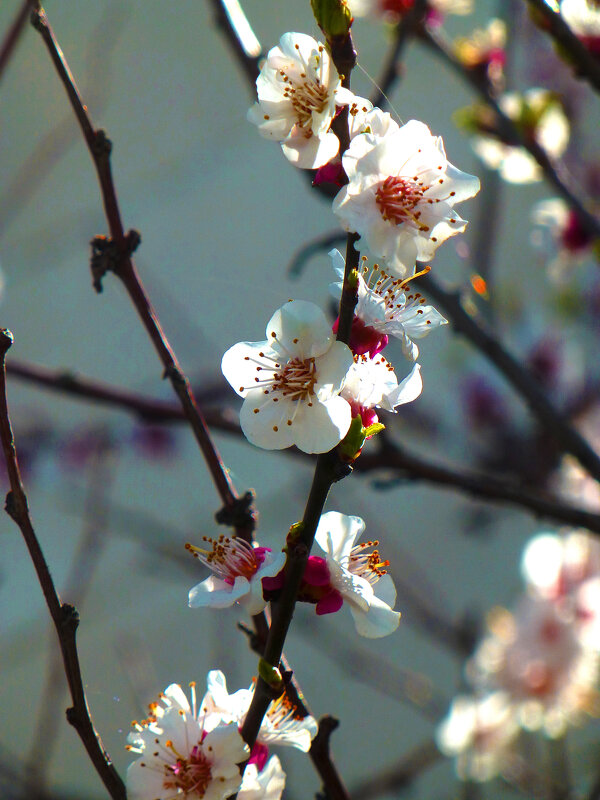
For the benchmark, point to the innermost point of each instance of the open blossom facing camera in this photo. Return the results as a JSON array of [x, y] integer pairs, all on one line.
[[291, 382], [386, 306], [184, 753], [355, 575], [238, 569], [298, 89], [401, 194]]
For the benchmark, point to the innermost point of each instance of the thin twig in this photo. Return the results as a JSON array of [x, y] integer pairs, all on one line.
[[116, 255], [587, 64], [554, 172], [554, 421], [64, 616], [407, 466], [409, 23], [77, 583], [401, 775], [403, 464], [232, 21], [13, 35]]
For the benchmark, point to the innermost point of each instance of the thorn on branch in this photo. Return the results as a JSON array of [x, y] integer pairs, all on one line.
[[239, 514], [72, 716], [107, 256]]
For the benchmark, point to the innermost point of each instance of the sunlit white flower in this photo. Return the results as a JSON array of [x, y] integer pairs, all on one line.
[[291, 382], [358, 576], [539, 115], [555, 566], [537, 657], [401, 194], [388, 306], [480, 733], [282, 724], [298, 89], [238, 569], [267, 783], [372, 383], [184, 753]]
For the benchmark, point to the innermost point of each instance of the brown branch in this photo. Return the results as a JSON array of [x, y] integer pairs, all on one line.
[[230, 24], [406, 466], [13, 35], [115, 255], [400, 775], [554, 172], [555, 422], [64, 616], [587, 65]]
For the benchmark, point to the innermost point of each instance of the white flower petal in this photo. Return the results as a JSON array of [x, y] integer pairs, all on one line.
[[216, 593], [300, 328], [336, 534], [378, 620]]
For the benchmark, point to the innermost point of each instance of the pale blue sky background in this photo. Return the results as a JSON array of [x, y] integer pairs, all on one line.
[[221, 214]]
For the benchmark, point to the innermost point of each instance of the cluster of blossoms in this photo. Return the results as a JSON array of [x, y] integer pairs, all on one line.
[[397, 192], [537, 669], [194, 753], [348, 573]]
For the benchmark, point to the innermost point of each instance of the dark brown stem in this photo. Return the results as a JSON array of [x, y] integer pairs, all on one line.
[[248, 56], [117, 254], [554, 421], [406, 465], [398, 777], [587, 65], [64, 617], [409, 24], [13, 35]]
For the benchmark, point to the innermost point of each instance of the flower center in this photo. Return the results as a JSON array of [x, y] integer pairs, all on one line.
[[367, 565], [308, 97], [190, 775], [229, 557], [297, 381], [398, 197]]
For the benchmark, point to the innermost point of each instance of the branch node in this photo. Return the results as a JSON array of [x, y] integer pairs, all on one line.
[[15, 506], [69, 618], [107, 256], [102, 146], [240, 513], [38, 19], [6, 340], [72, 716]]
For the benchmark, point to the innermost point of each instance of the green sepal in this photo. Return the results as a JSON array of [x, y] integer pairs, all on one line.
[[374, 429], [351, 445], [294, 534], [270, 674], [333, 17]]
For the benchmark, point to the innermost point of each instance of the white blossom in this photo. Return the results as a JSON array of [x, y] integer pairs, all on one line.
[[238, 569], [184, 753], [372, 383], [281, 725], [480, 734], [401, 194], [291, 382], [550, 130], [298, 89], [357, 575], [265, 784], [388, 305]]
